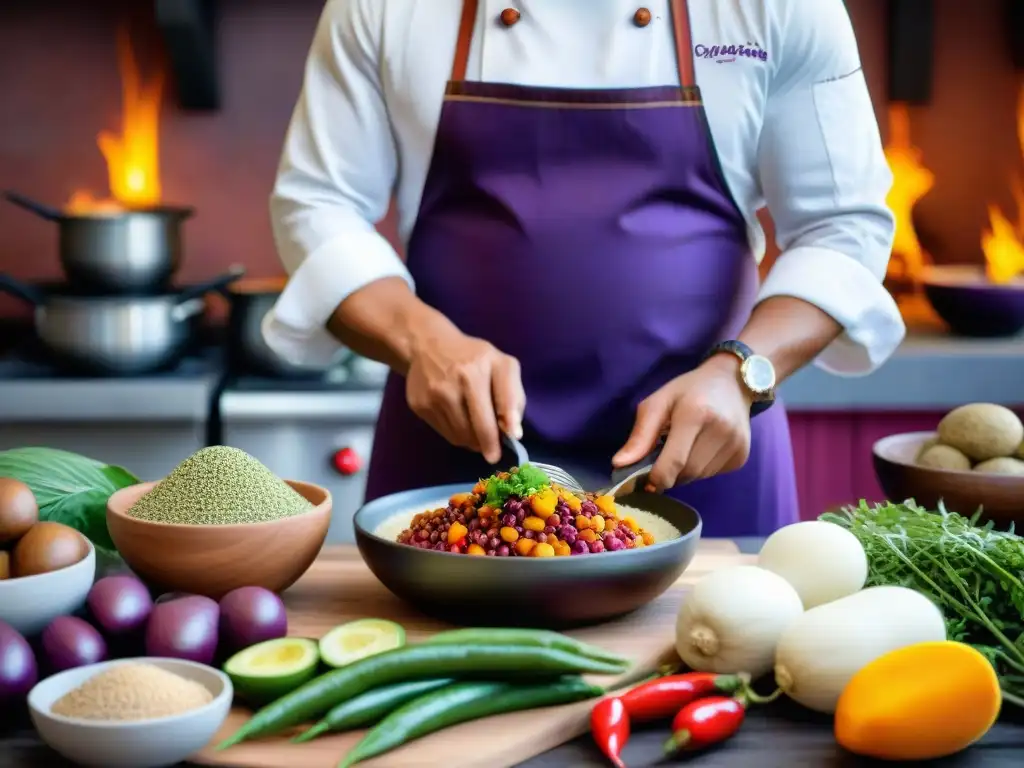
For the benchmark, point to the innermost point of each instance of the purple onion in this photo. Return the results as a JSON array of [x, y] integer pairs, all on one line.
[[588, 508], [69, 642], [18, 669], [616, 545], [185, 628], [508, 519], [250, 615], [580, 547], [504, 551], [566, 532], [119, 604], [596, 546]]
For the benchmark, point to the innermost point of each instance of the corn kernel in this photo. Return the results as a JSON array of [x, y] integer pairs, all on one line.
[[475, 549], [588, 535], [523, 546], [573, 501], [534, 524], [597, 523], [456, 532], [630, 523], [543, 550], [606, 504], [648, 538], [582, 522], [508, 534]]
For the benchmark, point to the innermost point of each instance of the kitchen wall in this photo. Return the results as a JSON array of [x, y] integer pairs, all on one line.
[[59, 85]]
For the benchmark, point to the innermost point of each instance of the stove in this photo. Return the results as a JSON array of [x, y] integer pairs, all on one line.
[[147, 423], [319, 430]]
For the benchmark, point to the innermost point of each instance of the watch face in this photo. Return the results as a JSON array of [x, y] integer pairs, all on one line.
[[759, 373]]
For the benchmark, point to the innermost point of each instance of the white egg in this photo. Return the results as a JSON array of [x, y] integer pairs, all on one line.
[[823, 561]]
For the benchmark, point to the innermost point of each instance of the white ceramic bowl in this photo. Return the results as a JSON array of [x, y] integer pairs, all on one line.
[[133, 744], [30, 603]]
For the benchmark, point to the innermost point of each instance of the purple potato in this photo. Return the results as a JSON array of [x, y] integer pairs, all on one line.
[[18, 669], [250, 615], [184, 628], [70, 642], [119, 604]]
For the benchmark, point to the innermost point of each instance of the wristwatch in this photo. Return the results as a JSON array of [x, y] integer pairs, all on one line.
[[757, 373]]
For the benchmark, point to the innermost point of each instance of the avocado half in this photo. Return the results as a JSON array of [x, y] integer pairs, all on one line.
[[267, 671]]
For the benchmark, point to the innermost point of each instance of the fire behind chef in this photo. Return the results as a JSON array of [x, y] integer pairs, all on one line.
[[576, 187]]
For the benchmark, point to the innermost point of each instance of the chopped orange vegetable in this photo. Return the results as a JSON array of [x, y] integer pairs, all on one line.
[[508, 534], [534, 524], [631, 524], [582, 522], [648, 538], [475, 549], [606, 504], [485, 511], [544, 503], [461, 499], [456, 532], [523, 546], [572, 501], [588, 535], [543, 550], [480, 487], [562, 549], [597, 523], [921, 702]]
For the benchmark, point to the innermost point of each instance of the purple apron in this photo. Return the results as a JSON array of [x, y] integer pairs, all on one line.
[[591, 235]]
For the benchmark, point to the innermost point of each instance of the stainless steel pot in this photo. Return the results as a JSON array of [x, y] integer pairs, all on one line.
[[115, 334], [250, 301], [133, 251]]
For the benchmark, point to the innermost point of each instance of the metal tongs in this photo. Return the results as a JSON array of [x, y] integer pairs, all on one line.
[[624, 480]]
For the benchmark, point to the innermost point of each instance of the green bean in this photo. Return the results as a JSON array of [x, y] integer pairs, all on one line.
[[412, 662], [460, 703], [370, 707], [541, 638]]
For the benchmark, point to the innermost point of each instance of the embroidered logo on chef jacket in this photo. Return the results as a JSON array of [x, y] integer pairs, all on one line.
[[724, 54]]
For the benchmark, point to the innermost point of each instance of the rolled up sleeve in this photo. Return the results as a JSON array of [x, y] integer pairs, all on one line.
[[334, 184], [825, 179]]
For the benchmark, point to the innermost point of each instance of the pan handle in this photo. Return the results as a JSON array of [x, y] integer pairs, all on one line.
[[39, 209], [216, 284], [20, 290]]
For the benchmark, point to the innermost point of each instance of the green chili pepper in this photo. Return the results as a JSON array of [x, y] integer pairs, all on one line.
[[541, 638], [370, 707], [412, 662], [460, 703]]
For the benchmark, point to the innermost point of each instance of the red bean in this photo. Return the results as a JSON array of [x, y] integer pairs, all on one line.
[[596, 546], [554, 520], [542, 538], [580, 548], [422, 535], [434, 537], [529, 534], [549, 529], [454, 548], [494, 542], [441, 546], [504, 551]]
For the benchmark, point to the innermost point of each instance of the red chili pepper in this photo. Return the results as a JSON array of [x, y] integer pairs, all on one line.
[[609, 724], [663, 697], [704, 722], [461, 542]]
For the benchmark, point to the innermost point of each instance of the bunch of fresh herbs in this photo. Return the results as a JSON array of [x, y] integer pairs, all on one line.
[[521, 481], [974, 574]]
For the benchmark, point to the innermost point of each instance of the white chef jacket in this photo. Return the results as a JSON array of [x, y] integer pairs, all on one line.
[[793, 126]]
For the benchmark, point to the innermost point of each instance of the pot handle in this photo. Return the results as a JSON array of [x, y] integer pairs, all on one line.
[[39, 209], [217, 284], [20, 290]]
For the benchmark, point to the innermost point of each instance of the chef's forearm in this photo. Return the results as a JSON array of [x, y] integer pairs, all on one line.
[[385, 321], [790, 332]]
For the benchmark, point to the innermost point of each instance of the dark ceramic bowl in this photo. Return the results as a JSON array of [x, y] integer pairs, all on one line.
[[552, 592], [973, 306], [1001, 497]]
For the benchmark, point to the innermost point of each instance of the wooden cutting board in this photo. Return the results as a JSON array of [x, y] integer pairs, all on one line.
[[339, 588]]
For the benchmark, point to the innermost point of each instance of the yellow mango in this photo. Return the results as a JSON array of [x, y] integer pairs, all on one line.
[[922, 702]]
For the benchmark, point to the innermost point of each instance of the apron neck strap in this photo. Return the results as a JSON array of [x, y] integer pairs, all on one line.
[[680, 28]]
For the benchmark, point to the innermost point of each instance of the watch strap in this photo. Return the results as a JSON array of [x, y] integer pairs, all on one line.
[[762, 402]]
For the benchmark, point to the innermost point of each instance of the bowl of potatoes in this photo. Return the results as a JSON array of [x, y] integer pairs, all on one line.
[[975, 460]]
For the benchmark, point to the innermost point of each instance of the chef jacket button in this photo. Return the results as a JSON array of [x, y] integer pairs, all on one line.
[[510, 16], [642, 17]]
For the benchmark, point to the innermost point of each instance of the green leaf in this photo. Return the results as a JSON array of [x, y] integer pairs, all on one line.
[[70, 489]]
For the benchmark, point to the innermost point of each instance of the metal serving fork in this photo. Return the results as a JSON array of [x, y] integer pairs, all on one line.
[[625, 480]]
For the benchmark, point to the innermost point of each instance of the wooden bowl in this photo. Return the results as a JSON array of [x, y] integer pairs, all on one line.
[[212, 560], [1000, 496], [547, 592]]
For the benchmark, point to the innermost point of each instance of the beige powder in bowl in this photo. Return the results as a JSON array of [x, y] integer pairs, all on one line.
[[132, 692]]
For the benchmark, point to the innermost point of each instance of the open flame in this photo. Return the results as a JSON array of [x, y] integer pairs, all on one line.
[[911, 181], [133, 155], [1003, 241]]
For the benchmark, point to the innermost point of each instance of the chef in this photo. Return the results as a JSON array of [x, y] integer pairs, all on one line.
[[576, 186]]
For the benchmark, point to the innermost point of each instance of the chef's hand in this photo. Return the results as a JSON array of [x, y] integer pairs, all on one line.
[[707, 413], [467, 390]]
